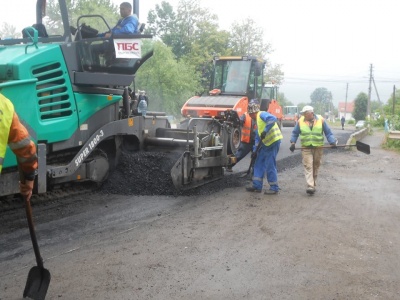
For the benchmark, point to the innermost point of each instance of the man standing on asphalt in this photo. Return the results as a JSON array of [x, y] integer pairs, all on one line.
[[311, 129], [13, 133], [342, 120], [246, 137], [267, 142]]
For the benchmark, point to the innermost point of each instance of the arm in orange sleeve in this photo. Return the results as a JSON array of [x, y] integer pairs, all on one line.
[[23, 147]]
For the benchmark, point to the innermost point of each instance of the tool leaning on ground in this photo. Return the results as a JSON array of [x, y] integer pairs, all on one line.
[[253, 160], [38, 279], [364, 148]]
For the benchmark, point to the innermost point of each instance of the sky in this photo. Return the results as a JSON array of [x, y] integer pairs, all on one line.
[[318, 43], [321, 43]]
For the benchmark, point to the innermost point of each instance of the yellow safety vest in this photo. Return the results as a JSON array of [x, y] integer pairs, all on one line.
[[273, 135], [6, 117], [311, 137]]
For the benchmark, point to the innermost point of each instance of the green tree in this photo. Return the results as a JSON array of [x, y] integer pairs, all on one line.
[[321, 100], [273, 74], [161, 22], [167, 82], [194, 35], [182, 29], [388, 108], [246, 38], [360, 106], [8, 30]]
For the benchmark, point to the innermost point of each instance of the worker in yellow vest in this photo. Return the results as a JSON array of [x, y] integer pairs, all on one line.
[[267, 142], [15, 135], [311, 128]]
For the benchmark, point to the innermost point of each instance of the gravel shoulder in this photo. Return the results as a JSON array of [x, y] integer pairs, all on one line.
[[341, 243]]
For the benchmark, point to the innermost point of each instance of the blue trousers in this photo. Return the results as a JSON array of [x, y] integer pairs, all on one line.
[[265, 164]]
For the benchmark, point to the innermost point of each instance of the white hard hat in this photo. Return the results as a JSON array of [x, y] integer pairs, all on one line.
[[307, 108]]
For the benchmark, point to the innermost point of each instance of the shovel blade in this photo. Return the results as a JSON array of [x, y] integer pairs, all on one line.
[[244, 175], [363, 147], [37, 283]]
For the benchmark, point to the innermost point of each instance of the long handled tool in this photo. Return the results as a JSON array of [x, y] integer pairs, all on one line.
[[38, 277], [253, 160], [364, 148]]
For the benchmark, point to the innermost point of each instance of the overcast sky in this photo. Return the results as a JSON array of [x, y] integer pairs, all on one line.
[[321, 43]]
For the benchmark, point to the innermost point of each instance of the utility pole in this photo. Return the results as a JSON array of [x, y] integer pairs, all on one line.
[[369, 94], [345, 102], [394, 99], [379, 99]]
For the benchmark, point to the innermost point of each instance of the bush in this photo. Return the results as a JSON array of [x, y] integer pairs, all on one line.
[[380, 122], [394, 122], [392, 144], [350, 122]]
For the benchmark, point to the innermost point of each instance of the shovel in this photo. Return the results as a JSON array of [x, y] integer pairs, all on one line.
[[38, 277], [364, 148], [253, 160]]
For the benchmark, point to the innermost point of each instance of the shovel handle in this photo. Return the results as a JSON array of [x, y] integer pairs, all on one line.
[[337, 146], [29, 217], [253, 160]]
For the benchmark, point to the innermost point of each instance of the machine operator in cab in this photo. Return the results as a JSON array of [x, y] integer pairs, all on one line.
[[128, 24]]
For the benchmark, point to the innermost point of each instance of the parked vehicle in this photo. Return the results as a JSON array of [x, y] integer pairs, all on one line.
[[290, 115], [270, 103], [360, 124]]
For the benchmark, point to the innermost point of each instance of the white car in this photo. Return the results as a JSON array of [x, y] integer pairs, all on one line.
[[360, 124]]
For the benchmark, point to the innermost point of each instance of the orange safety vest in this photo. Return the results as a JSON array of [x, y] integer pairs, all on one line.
[[246, 129]]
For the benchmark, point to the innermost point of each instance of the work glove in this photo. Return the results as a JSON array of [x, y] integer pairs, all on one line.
[[254, 155], [292, 147], [263, 134]]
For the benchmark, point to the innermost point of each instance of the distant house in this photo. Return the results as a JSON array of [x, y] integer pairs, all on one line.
[[346, 110]]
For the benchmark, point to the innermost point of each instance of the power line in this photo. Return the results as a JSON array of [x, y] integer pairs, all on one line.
[[341, 81]]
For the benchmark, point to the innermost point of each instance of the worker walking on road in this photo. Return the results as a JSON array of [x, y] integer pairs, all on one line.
[[13, 133], [267, 142], [311, 129], [342, 121]]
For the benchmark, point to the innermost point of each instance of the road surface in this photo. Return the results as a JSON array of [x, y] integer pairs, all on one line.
[[341, 243]]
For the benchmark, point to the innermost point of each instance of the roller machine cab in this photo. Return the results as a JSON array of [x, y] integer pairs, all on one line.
[[270, 103], [235, 80]]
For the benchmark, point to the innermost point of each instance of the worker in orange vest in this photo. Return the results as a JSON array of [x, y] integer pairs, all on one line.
[[247, 136]]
